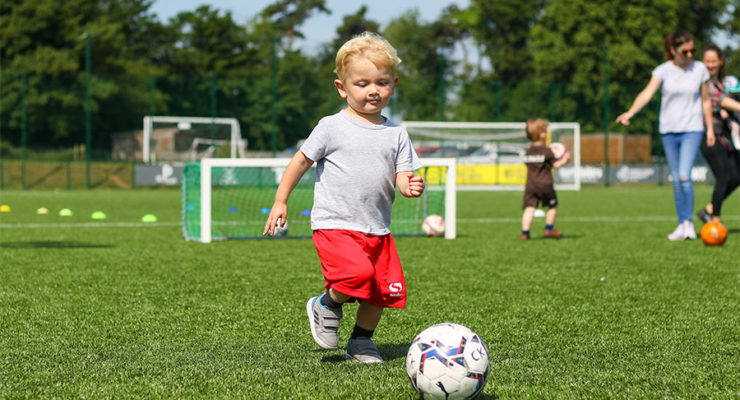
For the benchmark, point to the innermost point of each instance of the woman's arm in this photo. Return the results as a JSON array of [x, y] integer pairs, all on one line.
[[730, 104], [640, 101], [706, 105]]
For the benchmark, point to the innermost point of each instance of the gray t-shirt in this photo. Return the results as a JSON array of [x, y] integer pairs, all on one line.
[[356, 166], [680, 107]]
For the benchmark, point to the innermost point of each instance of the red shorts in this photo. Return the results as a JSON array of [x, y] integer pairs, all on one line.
[[363, 266]]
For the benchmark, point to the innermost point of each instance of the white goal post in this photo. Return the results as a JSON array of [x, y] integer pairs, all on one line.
[[490, 155], [206, 188], [238, 144]]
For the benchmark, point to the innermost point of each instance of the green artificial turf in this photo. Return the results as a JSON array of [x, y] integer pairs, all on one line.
[[122, 309]]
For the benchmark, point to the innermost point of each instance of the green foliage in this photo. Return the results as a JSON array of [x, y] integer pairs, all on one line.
[[567, 60], [426, 66], [209, 43]]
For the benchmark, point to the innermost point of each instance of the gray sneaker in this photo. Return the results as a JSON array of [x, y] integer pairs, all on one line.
[[363, 350], [324, 323]]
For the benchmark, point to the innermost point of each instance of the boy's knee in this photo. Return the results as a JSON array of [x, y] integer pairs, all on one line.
[[684, 178]]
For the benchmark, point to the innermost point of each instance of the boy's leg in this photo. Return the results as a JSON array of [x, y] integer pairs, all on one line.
[[324, 320], [360, 346], [550, 216], [388, 290], [550, 231], [527, 216], [368, 315], [347, 271]]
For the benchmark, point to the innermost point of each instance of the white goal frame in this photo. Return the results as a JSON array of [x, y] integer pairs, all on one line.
[[238, 144], [207, 164], [514, 126]]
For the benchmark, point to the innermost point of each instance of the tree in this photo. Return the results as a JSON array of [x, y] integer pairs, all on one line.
[[297, 105], [208, 43], [576, 43], [503, 30], [427, 65], [284, 17], [45, 41]]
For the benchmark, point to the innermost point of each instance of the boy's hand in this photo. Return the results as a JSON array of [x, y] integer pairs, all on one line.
[[415, 186], [278, 212]]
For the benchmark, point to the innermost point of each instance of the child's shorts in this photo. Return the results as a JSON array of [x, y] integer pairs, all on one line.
[[363, 266], [532, 199]]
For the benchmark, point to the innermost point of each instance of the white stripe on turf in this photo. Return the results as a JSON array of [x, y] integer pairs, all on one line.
[[90, 225], [460, 220], [583, 219]]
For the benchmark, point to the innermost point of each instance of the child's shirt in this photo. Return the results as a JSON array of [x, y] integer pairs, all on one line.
[[539, 160], [680, 106], [356, 166]]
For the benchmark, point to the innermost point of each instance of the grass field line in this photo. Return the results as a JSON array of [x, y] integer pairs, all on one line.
[[89, 225], [585, 219], [460, 220]]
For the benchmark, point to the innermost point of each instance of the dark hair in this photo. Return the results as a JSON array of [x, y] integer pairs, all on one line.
[[713, 47], [675, 39]]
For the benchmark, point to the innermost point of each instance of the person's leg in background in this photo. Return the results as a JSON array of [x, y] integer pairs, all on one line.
[[688, 149], [671, 149]]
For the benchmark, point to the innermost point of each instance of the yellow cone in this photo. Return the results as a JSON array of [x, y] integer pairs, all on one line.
[[149, 218], [42, 211], [4, 208]]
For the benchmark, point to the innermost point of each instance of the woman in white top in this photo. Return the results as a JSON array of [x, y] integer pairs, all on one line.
[[684, 109]]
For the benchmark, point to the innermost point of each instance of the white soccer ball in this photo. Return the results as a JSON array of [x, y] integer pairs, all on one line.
[[447, 361], [433, 225], [558, 150], [280, 230]]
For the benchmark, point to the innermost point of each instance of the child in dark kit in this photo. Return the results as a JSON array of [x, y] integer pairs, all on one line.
[[540, 188]]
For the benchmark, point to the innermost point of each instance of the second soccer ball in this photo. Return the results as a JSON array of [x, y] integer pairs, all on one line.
[[713, 233], [433, 225], [281, 230], [558, 150]]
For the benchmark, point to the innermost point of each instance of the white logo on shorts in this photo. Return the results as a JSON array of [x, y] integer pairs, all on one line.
[[395, 288]]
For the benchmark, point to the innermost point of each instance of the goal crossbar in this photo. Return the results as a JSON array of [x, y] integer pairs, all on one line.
[[476, 132], [237, 150]]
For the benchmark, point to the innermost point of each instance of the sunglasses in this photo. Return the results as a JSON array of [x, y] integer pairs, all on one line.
[[685, 52]]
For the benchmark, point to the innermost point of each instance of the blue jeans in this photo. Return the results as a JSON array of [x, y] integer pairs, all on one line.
[[680, 152]]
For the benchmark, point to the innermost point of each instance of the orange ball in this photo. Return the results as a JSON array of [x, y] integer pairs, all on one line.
[[713, 233]]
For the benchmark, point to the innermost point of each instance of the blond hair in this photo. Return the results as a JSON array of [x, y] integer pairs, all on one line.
[[535, 127], [370, 45]]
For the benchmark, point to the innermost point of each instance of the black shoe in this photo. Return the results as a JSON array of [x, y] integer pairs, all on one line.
[[704, 215]]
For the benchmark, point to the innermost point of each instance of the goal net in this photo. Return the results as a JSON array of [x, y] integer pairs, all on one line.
[[191, 138], [490, 155], [231, 199]]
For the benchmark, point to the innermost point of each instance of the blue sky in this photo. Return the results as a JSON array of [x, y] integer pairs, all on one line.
[[319, 28]]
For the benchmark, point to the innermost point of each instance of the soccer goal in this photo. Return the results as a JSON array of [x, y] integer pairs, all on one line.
[[490, 155], [191, 138], [231, 199]]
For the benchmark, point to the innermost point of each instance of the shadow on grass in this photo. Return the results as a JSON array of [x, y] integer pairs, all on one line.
[[387, 351], [54, 244], [568, 236]]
